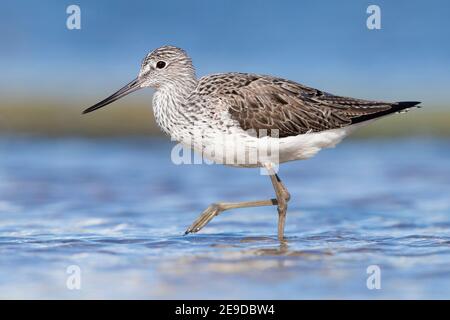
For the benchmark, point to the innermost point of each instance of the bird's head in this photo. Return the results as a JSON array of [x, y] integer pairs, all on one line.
[[166, 65]]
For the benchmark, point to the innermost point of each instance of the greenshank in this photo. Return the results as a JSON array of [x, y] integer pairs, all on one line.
[[247, 109]]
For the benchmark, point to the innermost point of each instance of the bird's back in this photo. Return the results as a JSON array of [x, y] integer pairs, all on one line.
[[264, 102]]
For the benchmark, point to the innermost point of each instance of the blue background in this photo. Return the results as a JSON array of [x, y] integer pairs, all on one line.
[[324, 44]]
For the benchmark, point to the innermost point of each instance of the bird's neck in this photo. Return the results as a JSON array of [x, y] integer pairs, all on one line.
[[168, 102]]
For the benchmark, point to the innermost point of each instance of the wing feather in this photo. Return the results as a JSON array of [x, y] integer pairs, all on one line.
[[263, 102]]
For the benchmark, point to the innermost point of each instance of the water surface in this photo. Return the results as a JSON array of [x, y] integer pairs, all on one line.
[[118, 209]]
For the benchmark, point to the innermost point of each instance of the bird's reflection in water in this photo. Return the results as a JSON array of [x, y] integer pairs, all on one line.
[[251, 256]]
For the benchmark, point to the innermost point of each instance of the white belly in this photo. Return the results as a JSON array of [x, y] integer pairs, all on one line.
[[305, 146], [242, 150]]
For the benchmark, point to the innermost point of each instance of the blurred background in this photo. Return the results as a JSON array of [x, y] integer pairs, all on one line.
[[100, 192], [50, 73]]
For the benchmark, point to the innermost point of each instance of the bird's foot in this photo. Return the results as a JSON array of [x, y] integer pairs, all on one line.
[[206, 216]]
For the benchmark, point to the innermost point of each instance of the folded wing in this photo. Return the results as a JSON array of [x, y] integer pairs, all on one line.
[[264, 102]]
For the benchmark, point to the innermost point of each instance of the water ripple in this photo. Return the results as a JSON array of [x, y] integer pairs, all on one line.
[[118, 210]]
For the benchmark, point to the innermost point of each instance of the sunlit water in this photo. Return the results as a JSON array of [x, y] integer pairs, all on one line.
[[118, 210]]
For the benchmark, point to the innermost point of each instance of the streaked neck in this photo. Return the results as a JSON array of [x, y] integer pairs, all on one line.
[[168, 102]]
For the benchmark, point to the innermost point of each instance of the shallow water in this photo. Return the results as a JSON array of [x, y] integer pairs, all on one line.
[[117, 209]]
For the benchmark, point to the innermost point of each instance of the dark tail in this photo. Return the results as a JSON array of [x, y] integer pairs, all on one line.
[[399, 106], [395, 107]]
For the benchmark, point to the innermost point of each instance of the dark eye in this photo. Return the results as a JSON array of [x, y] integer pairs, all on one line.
[[160, 64]]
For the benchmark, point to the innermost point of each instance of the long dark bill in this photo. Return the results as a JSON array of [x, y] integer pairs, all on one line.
[[129, 88]]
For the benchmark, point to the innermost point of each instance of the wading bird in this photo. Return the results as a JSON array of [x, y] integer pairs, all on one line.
[[239, 106]]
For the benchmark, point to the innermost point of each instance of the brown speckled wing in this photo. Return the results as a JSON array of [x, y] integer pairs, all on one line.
[[264, 102]]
